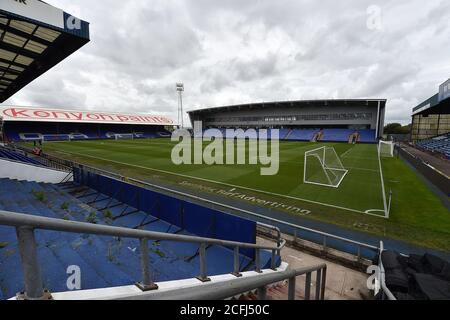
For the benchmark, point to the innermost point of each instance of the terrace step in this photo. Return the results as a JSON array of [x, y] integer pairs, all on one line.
[[104, 261]]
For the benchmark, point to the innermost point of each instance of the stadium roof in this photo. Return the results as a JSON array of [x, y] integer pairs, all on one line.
[[31, 114], [34, 37], [433, 106], [298, 103], [439, 103]]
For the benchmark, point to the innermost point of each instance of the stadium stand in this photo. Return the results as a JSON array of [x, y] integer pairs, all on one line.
[[102, 259], [28, 134], [325, 135], [16, 156], [367, 136], [337, 135], [439, 145], [302, 134]]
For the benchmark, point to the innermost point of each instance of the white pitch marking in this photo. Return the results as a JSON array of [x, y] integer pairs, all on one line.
[[218, 182]]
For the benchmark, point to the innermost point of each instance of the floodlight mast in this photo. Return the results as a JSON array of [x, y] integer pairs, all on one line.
[[180, 90]]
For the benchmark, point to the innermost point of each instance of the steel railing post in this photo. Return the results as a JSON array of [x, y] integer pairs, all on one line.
[[291, 288], [318, 283], [273, 260], [324, 282], [32, 274], [262, 293], [237, 267], [147, 283], [308, 286], [257, 261], [203, 277]]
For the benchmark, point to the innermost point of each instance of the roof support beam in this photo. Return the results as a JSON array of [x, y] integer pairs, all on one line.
[[22, 34], [19, 50], [11, 71], [14, 63]]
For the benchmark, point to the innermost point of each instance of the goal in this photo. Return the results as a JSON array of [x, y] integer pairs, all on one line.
[[386, 149], [324, 168], [124, 136]]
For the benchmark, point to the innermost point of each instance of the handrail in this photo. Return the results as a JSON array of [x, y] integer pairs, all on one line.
[[50, 161], [382, 278], [26, 224], [235, 287], [37, 222]]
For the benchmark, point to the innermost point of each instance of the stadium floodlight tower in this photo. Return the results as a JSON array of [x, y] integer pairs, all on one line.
[[180, 90]]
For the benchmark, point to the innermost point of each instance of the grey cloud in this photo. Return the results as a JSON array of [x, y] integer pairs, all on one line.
[[238, 51]]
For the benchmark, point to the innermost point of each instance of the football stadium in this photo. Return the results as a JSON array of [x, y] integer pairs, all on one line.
[[268, 201]]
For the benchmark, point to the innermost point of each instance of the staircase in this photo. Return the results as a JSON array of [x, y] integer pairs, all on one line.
[[104, 261]]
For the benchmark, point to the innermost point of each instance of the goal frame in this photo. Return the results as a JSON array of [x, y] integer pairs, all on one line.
[[324, 167], [386, 143], [123, 136]]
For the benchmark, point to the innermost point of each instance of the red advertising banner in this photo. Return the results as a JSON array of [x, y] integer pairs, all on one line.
[[52, 115]]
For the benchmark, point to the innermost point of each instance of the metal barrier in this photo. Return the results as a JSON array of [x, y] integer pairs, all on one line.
[[26, 225], [235, 287], [437, 178], [49, 161], [297, 228], [325, 236]]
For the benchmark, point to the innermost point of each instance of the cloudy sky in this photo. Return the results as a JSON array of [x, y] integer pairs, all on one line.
[[239, 51]]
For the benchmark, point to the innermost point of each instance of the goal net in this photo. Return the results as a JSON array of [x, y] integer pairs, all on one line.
[[124, 136], [323, 167], [386, 149]]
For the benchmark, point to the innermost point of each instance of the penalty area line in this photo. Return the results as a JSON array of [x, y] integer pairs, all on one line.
[[218, 182]]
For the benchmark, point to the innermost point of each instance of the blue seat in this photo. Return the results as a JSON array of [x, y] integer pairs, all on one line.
[[104, 261]]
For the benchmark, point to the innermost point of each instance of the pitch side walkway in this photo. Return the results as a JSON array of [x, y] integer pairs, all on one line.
[[342, 283], [440, 164]]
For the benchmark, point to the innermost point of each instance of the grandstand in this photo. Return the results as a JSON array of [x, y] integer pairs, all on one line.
[[431, 118], [102, 256], [438, 145], [25, 124], [17, 156], [431, 123], [308, 120]]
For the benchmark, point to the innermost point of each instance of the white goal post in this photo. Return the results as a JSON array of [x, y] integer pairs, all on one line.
[[124, 136], [324, 168], [386, 149]]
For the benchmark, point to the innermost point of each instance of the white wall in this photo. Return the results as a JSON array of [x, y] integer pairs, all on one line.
[[20, 171]]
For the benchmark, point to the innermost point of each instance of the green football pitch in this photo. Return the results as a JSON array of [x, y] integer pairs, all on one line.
[[417, 215]]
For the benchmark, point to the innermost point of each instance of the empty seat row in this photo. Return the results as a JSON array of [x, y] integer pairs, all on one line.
[[104, 261], [439, 145], [16, 156]]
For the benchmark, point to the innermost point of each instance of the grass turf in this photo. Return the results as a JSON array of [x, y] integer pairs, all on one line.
[[417, 215]]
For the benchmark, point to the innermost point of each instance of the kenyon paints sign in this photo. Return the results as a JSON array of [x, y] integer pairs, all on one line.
[[51, 115]]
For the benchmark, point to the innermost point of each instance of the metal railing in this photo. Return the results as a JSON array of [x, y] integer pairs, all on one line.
[[297, 228], [325, 236], [236, 287], [46, 160], [26, 225]]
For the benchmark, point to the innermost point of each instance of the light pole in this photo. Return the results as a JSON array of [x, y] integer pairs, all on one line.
[[180, 90]]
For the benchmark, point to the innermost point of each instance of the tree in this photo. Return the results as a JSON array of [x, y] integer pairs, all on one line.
[[397, 128]]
